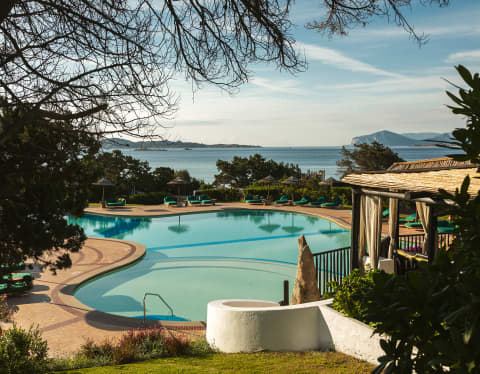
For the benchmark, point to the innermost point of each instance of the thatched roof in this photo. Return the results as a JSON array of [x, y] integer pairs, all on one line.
[[430, 164], [420, 176]]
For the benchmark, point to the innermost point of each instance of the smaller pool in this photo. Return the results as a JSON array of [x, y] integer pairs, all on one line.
[[196, 258]]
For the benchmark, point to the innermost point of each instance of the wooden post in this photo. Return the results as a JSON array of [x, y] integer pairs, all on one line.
[[432, 234], [286, 294], [356, 194]]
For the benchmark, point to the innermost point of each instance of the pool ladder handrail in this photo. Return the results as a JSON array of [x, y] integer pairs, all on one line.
[[160, 297]]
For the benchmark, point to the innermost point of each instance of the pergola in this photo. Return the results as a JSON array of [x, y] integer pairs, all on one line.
[[417, 181]]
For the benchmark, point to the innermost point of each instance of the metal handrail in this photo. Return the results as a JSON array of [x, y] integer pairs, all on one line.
[[160, 297]]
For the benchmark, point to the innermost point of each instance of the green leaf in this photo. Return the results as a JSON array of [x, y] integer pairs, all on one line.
[[465, 74]]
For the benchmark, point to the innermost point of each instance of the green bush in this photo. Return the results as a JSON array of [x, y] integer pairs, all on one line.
[[150, 198], [223, 194], [345, 193], [23, 351], [134, 346], [349, 297]]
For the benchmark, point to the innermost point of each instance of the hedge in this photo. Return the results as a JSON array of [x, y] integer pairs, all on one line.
[[233, 194]]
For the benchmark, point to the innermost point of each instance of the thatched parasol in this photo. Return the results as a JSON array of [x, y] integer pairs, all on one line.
[[330, 182], [103, 182], [292, 181], [178, 181], [268, 180]]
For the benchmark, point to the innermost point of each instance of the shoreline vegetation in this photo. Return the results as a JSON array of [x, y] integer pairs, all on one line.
[[161, 145]]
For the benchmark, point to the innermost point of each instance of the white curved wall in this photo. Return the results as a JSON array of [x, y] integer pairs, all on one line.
[[257, 325]]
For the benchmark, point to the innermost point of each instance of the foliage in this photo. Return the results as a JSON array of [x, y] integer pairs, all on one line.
[[112, 61], [367, 157], [6, 313], [349, 296], [223, 194], [243, 171], [243, 363], [47, 169], [150, 198], [22, 351], [133, 346], [432, 315]]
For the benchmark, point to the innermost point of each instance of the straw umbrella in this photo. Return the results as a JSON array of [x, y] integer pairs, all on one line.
[[292, 181], [268, 180], [178, 181], [103, 182], [330, 182]]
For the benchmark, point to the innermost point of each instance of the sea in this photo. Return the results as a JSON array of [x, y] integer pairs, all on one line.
[[201, 162]]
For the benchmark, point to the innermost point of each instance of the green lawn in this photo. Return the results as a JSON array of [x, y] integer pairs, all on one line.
[[311, 362]]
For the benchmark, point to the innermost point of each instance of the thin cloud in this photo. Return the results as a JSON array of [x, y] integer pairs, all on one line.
[[337, 59], [472, 55], [285, 85]]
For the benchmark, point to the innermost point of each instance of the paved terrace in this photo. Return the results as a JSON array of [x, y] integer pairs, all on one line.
[[67, 324]]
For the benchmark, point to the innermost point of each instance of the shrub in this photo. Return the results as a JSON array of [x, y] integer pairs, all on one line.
[[23, 351], [349, 297], [6, 312], [149, 198], [223, 194], [135, 345]]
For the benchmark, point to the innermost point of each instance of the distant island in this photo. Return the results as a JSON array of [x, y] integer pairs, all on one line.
[[161, 145], [392, 139]]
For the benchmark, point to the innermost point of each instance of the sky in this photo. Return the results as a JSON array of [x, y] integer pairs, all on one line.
[[376, 78]]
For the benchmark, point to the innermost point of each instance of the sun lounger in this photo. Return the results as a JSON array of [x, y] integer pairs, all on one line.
[[169, 201], [445, 229], [410, 218], [250, 200], [115, 203], [332, 204], [283, 200], [205, 200], [304, 200], [14, 287], [16, 277], [319, 201], [413, 225], [192, 201]]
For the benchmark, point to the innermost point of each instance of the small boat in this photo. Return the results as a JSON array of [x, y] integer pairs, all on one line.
[[187, 149]]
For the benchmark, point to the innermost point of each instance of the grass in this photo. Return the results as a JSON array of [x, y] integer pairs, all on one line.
[[310, 362]]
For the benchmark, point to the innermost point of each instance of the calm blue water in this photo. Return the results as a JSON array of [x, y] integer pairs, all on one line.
[[201, 162], [195, 258]]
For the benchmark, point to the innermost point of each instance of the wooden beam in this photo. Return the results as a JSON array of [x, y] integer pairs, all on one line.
[[395, 195], [356, 194], [432, 234]]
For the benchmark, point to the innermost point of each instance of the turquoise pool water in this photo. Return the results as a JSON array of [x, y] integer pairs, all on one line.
[[195, 258]]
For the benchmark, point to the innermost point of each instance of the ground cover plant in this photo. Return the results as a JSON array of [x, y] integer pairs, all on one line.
[[246, 363], [135, 345]]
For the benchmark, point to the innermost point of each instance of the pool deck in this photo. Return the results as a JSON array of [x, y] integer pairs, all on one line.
[[66, 323]]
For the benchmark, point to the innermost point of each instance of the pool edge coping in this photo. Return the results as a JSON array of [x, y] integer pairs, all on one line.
[[66, 294]]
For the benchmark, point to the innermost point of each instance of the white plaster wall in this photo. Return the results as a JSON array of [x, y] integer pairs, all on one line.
[[257, 325], [266, 327], [352, 337]]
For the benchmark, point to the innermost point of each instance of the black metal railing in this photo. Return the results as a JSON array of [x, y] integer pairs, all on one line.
[[333, 265], [415, 241]]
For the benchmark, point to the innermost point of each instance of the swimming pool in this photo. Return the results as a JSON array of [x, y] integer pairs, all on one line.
[[192, 259]]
